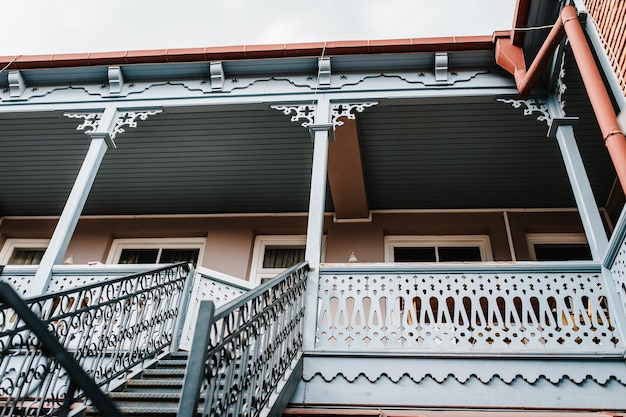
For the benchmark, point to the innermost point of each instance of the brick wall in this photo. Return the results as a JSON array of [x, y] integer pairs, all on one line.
[[610, 17]]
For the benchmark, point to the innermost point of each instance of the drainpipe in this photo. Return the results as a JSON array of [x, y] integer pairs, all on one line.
[[511, 58]]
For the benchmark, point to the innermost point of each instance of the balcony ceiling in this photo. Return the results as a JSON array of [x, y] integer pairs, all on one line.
[[445, 153]]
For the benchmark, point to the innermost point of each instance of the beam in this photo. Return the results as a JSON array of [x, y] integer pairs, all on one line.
[[345, 173]]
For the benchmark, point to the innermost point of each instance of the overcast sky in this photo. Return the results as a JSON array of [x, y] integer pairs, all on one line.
[[61, 26]]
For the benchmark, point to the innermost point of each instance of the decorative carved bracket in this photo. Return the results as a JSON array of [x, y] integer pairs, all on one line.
[[129, 119], [348, 110], [116, 80], [324, 73], [531, 106], [90, 120], [338, 110], [17, 85], [122, 120], [302, 111]]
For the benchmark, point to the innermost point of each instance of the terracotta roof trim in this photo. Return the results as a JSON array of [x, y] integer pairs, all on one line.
[[225, 53]]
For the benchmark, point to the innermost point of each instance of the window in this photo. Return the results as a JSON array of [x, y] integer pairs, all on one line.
[[156, 251], [23, 251], [273, 254], [558, 247], [470, 248]]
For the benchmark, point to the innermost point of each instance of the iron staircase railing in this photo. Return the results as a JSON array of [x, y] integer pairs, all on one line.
[[246, 356], [60, 348]]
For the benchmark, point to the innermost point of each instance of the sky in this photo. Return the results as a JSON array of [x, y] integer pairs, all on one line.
[[65, 26]]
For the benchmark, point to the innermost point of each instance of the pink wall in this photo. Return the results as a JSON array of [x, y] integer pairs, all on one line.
[[230, 240]]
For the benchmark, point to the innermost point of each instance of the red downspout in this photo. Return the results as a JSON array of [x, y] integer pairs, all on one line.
[[511, 58]]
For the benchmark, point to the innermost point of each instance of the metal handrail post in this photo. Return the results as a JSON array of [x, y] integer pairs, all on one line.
[[190, 394]]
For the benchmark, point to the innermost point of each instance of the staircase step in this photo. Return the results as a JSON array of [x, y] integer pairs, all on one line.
[[156, 372], [179, 355], [154, 383], [145, 399], [138, 411], [172, 363]]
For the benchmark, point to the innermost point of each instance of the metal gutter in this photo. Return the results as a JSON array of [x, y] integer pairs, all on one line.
[[226, 53]]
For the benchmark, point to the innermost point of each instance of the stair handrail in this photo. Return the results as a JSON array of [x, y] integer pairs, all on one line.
[[253, 341], [79, 379], [106, 329]]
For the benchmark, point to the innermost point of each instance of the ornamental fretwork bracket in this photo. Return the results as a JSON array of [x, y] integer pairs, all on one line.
[[550, 110], [110, 123], [306, 112]]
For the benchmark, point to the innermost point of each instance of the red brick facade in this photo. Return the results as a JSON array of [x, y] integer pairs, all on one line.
[[610, 17]]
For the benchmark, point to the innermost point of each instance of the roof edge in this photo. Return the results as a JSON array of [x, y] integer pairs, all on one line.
[[226, 53]]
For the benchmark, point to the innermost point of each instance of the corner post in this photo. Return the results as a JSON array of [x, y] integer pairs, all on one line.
[[562, 128], [100, 141], [321, 134]]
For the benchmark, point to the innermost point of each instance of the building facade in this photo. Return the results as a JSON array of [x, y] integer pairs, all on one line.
[[458, 200]]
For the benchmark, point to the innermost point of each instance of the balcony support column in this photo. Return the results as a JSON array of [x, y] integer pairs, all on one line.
[[562, 128], [321, 134], [100, 140]]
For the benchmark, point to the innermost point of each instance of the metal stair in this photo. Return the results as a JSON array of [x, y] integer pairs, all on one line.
[[154, 392]]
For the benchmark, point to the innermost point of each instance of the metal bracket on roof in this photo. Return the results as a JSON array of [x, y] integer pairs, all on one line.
[[217, 76], [116, 80], [17, 85], [323, 73], [441, 67]]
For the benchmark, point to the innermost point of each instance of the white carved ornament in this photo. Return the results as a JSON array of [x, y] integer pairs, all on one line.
[[302, 111], [348, 110], [338, 110], [129, 119], [90, 120], [531, 106]]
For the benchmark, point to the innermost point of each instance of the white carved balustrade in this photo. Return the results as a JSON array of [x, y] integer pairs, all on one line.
[[615, 260], [517, 308], [210, 285]]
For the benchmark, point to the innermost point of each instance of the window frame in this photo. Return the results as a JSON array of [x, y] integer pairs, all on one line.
[[553, 238], [257, 272], [483, 242], [11, 244], [118, 245]]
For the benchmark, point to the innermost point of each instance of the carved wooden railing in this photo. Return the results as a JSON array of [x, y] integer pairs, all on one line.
[[246, 357], [109, 327], [210, 285], [517, 309]]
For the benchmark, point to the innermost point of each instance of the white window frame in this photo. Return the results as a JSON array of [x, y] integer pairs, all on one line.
[[552, 238], [11, 244], [119, 245], [257, 272], [423, 241]]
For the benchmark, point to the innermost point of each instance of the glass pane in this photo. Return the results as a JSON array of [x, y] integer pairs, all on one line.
[[414, 254], [459, 254], [139, 256], [26, 256], [562, 252], [277, 257], [172, 256]]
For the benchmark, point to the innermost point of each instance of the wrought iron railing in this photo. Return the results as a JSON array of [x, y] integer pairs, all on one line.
[[499, 309], [243, 356], [108, 327]]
